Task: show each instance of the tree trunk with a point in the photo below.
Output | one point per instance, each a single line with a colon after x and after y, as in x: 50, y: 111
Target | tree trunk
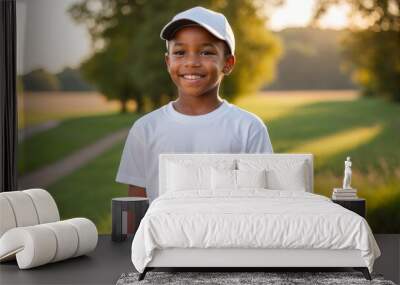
x: 123, y: 106
x: 139, y: 104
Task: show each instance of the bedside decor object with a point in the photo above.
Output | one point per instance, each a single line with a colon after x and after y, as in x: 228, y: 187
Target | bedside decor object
x: 344, y: 194
x: 31, y: 231
x: 347, y: 192
x: 122, y: 207
x: 357, y: 205
x: 347, y: 174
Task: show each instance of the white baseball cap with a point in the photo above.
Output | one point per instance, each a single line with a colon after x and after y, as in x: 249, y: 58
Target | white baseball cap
x: 215, y: 23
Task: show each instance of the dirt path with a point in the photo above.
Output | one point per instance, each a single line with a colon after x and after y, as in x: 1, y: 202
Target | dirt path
x: 49, y: 174
x: 25, y: 133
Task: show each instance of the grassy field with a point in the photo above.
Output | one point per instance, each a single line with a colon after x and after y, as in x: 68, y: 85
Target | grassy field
x: 71, y: 135
x: 88, y: 191
x: 332, y: 125
x: 38, y: 107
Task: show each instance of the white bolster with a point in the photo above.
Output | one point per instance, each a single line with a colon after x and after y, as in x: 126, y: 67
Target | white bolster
x: 40, y: 244
x: 67, y: 240
x: 33, y: 246
x: 23, y: 208
x: 7, y: 218
x: 87, y: 234
x: 45, y: 205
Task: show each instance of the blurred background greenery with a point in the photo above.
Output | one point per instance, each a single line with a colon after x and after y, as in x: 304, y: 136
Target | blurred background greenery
x: 330, y: 92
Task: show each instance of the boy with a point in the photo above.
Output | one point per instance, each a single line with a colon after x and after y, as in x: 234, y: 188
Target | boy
x: 200, y: 52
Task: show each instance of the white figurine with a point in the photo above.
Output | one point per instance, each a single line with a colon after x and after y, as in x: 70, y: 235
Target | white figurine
x: 347, y: 174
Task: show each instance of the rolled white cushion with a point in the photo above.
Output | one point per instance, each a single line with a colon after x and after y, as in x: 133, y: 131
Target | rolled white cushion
x: 40, y: 244
x: 87, y: 235
x: 67, y: 239
x: 23, y: 208
x: 33, y: 245
x: 7, y: 218
x: 45, y: 205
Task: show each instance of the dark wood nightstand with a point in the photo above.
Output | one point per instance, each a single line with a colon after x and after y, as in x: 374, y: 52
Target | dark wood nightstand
x: 122, y: 207
x: 357, y: 205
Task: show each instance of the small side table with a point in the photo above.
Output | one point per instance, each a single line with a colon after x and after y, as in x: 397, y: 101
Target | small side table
x: 120, y: 208
x: 357, y: 205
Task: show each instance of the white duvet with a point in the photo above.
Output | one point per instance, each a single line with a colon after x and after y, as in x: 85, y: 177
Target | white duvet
x: 250, y: 219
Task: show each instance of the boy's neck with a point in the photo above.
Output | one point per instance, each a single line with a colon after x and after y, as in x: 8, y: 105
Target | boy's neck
x: 195, y: 106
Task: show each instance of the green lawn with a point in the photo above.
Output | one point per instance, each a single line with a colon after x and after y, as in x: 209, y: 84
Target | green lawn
x: 368, y: 130
x: 71, y: 135
x: 88, y: 191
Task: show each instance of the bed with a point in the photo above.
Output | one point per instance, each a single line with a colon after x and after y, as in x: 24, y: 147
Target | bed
x: 247, y: 210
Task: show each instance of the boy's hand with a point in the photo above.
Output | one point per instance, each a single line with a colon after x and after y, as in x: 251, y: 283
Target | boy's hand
x: 136, y: 191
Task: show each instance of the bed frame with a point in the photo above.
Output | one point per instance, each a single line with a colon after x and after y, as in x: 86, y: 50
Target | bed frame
x: 242, y: 258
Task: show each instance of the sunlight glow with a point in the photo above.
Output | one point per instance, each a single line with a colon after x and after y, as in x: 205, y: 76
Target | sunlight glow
x: 336, y: 17
x: 282, y: 103
x: 331, y: 145
x: 299, y: 13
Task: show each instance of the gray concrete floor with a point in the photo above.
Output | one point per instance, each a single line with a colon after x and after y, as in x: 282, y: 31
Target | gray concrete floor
x: 110, y: 260
x: 102, y: 266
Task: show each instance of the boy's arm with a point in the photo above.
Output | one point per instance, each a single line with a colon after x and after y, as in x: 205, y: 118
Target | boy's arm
x: 136, y: 191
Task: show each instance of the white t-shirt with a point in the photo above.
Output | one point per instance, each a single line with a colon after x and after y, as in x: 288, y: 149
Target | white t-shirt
x: 227, y: 129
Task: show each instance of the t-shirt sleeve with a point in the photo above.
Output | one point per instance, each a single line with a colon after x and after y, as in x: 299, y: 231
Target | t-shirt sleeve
x: 132, y: 168
x: 259, y: 141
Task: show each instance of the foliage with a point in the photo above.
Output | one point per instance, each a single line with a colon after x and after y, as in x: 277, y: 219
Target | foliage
x: 311, y: 60
x: 20, y: 84
x: 128, y: 61
x: 71, y: 80
x: 40, y: 80
x: 257, y: 49
x: 375, y: 62
x: 372, y: 47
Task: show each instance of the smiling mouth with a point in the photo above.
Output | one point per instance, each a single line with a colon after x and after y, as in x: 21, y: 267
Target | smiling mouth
x: 192, y: 76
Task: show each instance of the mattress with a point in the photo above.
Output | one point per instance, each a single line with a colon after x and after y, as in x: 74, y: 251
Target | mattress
x: 250, y: 218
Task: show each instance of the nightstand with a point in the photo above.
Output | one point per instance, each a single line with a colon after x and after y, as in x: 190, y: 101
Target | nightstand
x: 120, y: 209
x: 357, y: 205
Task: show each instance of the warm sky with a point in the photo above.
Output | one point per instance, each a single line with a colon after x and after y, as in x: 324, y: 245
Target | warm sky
x: 54, y: 41
x: 297, y: 13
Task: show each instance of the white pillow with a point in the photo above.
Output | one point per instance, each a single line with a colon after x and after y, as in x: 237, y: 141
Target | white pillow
x: 251, y: 178
x: 193, y: 174
x: 223, y: 179
x: 282, y: 174
x: 181, y: 177
x: 227, y: 179
x: 290, y: 179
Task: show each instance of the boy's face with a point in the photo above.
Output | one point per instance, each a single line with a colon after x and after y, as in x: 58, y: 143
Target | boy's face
x: 197, y: 61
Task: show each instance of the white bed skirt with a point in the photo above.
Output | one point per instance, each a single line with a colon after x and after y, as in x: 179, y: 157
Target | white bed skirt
x: 235, y: 257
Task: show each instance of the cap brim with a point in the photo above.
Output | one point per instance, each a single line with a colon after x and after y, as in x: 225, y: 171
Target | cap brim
x: 172, y: 27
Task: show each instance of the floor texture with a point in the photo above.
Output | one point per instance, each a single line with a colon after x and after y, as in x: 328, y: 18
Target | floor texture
x: 110, y: 260
x: 251, y: 278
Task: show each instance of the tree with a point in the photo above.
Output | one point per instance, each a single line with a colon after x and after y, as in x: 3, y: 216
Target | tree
x: 257, y: 49
x: 40, y: 80
x: 112, y: 26
x: 372, y: 48
x: 311, y: 60
x: 128, y: 61
x: 20, y: 85
x: 71, y: 80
